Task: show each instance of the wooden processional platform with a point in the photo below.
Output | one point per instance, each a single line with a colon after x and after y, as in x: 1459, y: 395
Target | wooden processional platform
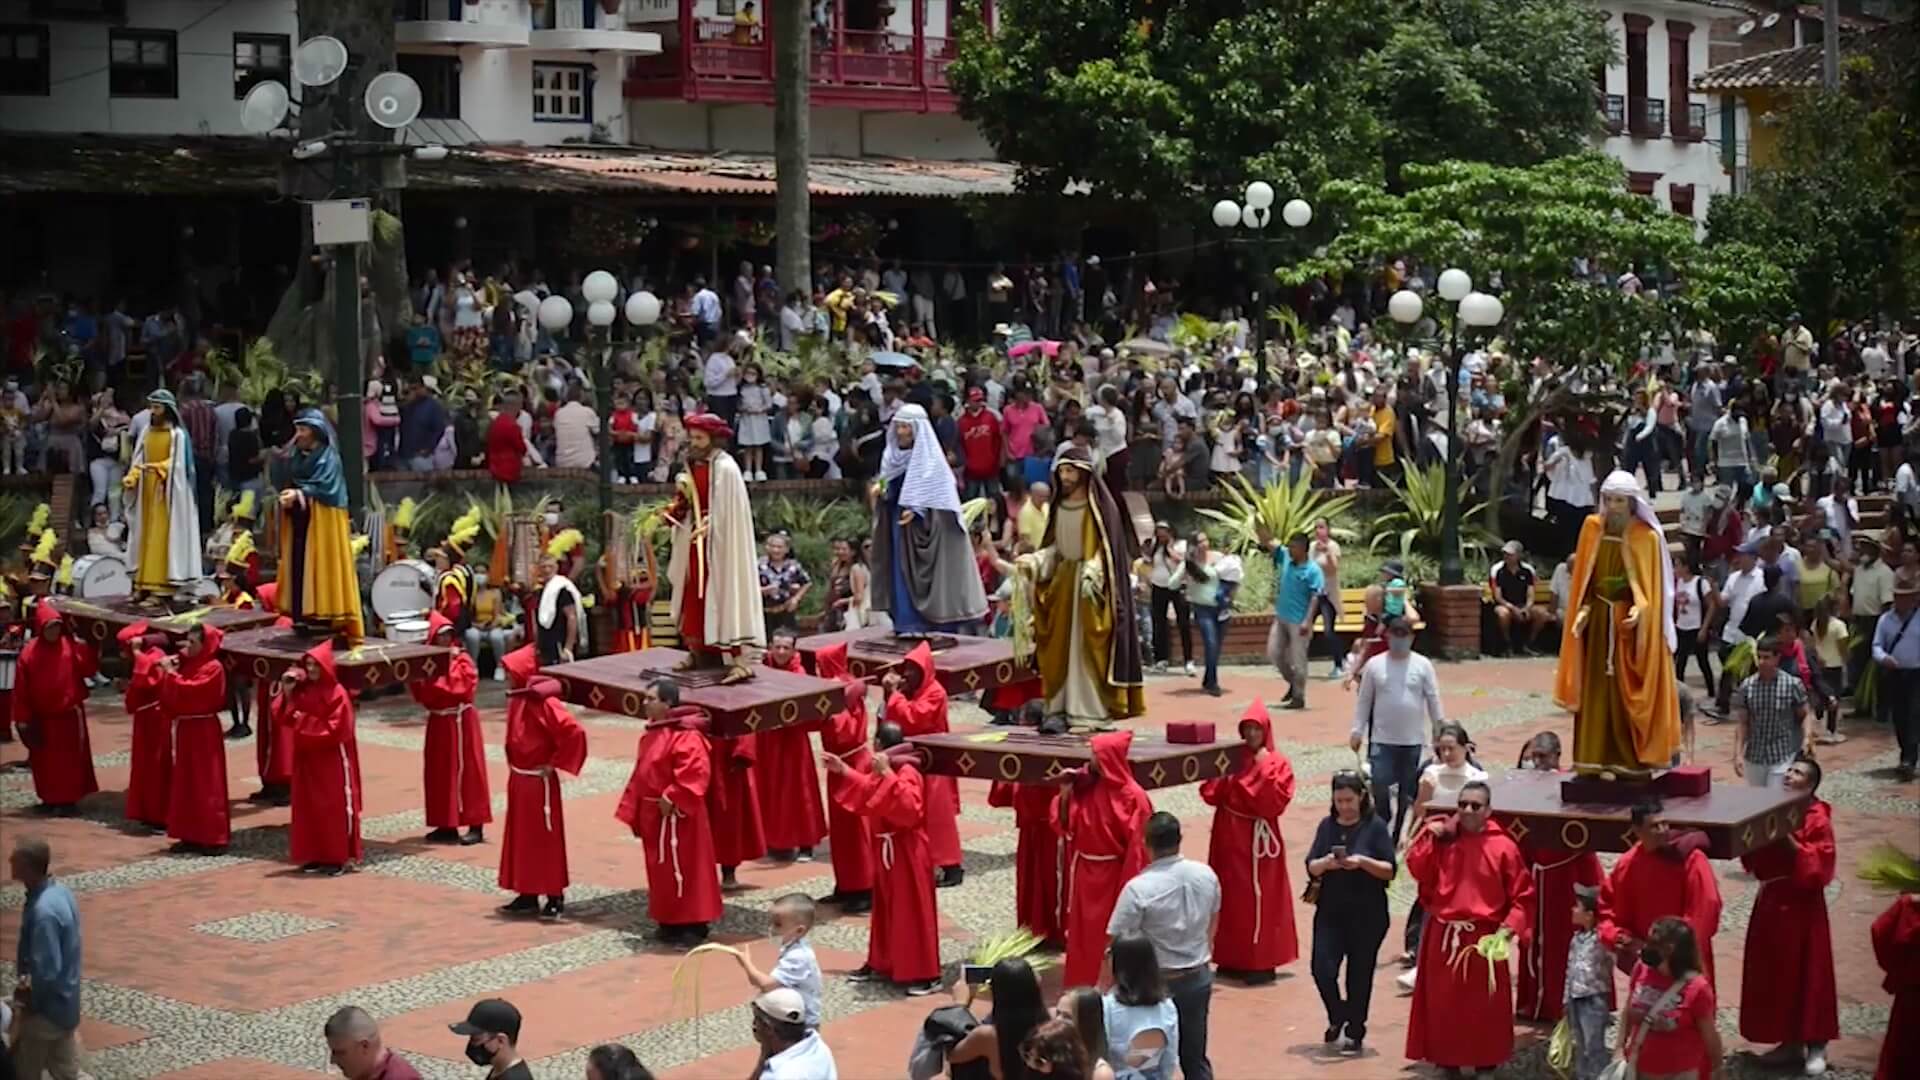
x: 98, y: 621
x: 265, y: 654
x: 963, y: 664
x: 770, y: 700
x: 1024, y: 757
x: 1736, y: 818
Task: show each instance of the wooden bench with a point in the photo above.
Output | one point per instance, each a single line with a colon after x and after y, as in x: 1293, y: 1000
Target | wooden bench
x: 1352, y: 618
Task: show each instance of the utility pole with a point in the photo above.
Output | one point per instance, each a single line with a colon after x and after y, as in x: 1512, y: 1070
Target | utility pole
x: 791, y: 24
x: 1830, y: 45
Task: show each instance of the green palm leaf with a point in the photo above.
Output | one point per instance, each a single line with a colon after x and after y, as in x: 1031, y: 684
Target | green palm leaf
x: 1280, y: 510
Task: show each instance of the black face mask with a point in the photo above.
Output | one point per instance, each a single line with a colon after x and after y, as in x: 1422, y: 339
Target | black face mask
x: 1650, y: 956
x: 478, y: 1053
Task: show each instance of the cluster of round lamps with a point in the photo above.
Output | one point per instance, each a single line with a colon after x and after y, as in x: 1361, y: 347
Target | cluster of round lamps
x: 599, y: 289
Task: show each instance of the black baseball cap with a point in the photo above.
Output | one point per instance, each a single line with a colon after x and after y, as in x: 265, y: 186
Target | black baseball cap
x: 492, y: 1016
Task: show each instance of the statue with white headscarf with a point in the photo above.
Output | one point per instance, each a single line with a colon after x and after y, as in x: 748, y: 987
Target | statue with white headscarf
x: 924, y: 575
x: 1616, y: 654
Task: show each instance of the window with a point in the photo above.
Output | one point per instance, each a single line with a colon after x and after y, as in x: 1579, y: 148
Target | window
x: 1680, y: 77
x: 1681, y: 196
x: 1641, y: 183
x: 258, y: 58
x: 439, y: 79
x: 143, y: 63
x: 563, y: 92
x: 23, y: 60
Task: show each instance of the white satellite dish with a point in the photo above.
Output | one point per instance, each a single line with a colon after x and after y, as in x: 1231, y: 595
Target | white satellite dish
x: 1747, y: 27
x: 264, y: 109
x: 393, y: 99
x: 319, y: 60
x: 1770, y: 21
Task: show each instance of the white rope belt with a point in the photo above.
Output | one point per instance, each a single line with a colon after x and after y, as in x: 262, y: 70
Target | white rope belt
x: 546, y: 790
x: 670, y: 840
x: 1613, y: 639
x: 1266, y: 845
x: 1451, y: 944
x: 346, y: 784
x: 1073, y: 871
x: 886, y: 849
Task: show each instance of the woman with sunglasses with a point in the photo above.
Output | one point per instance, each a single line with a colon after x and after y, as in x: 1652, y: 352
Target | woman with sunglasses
x: 1350, y: 863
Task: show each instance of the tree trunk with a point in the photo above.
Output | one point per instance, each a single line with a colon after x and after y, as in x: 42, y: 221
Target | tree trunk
x: 793, y: 244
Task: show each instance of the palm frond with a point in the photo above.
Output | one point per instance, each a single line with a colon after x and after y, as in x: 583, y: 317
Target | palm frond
x: 1887, y: 867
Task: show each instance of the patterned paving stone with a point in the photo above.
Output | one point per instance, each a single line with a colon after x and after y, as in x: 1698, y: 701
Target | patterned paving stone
x: 263, y: 926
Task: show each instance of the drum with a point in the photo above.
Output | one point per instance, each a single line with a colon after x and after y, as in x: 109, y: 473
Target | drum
x: 403, y: 590
x: 9, y: 658
x: 99, y: 576
x: 413, y: 631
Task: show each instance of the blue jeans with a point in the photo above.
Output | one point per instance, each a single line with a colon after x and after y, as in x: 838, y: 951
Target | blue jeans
x: 1394, y: 766
x: 1192, y: 997
x: 1208, y: 619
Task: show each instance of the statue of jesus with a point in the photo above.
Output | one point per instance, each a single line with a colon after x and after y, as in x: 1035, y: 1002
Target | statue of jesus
x: 1616, y: 650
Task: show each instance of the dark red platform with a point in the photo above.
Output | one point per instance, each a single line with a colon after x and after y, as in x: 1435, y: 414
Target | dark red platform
x: 770, y: 700
x: 1736, y: 818
x: 265, y: 654
x: 1024, y: 757
x: 98, y: 621
x: 964, y: 666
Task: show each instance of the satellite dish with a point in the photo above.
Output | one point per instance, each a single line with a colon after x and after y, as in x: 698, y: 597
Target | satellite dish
x: 393, y: 99
x: 264, y: 109
x: 1770, y: 21
x: 319, y: 60
x: 1747, y: 27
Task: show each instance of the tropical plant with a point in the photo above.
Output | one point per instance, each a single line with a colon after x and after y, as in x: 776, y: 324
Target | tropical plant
x: 1418, y: 524
x: 1279, y: 511
x: 15, y: 511
x: 1195, y: 333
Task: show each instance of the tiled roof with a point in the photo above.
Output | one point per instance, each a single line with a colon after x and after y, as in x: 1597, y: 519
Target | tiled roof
x: 1793, y: 69
x: 110, y: 164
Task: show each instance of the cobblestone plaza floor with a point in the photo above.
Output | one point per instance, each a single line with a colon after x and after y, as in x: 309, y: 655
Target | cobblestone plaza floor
x: 226, y: 967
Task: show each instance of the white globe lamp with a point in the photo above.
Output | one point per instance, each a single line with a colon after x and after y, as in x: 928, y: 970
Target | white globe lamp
x: 1296, y: 213
x: 1476, y: 309
x: 556, y: 313
x: 1260, y: 195
x: 1226, y: 213
x: 600, y: 287
x: 1253, y: 217
x: 601, y: 313
x: 1405, y: 307
x: 643, y: 308
x: 1455, y: 284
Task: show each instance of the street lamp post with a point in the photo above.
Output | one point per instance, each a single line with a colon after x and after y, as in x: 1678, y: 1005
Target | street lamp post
x: 643, y: 309
x: 1253, y: 216
x: 1476, y: 310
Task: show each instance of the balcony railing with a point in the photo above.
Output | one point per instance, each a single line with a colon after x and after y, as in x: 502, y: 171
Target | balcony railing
x: 1696, y: 121
x: 729, y: 53
x: 1616, y: 112
x: 1646, y: 117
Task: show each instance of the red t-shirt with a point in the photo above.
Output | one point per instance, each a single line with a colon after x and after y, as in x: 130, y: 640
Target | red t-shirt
x: 1672, y: 1042
x: 980, y: 442
x: 623, y: 420
x: 506, y: 449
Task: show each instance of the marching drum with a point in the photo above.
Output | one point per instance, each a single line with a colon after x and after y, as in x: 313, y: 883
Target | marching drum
x: 8, y: 659
x: 404, y: 590
x: 98, y: 576
x: 412, y: 631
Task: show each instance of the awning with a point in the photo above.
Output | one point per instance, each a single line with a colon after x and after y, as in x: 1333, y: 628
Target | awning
x: 131, y: 165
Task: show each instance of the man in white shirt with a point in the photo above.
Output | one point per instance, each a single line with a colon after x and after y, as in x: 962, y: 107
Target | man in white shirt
x: 1570, y: 490
x: 721, y: 375
x: 706, y: 314
x: 1175, y: 904
x: 574, y: 426
x: 1836, y: 421
x: 1109, y: 430
x: 789, y: 1049
x: 1874, y: 359
x: 793, y: 322
x: 1398, y: 713
x: 1842, y: 512
x: 1744, y: 582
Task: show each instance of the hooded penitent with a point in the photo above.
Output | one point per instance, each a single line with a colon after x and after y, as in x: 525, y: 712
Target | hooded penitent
x: 543, y: 739
x: 1256, y: 930
x: 151, y: 768
x: 191, y: 698
x: 318, y: 713
x: 51, y: 691
x: 455, y: 780
x: 1107, y: 813
x: 919, y: 707
x: 847, y: 736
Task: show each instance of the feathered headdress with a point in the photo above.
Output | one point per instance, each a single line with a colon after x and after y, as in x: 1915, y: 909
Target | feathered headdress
x: 403, y: 514
x: 465, y: 529
x: 243, y: 507
x: 564, y: 542
x: 242, y: 548
x: 359, y: 545
x: 43, y: 551
x: 38, y: 523
x: 64, y: 576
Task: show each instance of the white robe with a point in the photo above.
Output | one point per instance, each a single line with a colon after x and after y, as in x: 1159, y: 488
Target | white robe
x: 183, y: 513
x: 733, y: 613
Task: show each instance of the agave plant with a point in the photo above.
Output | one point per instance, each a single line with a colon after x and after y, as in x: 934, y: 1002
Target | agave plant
x: 1281, y: 510
x: 1419, y: 522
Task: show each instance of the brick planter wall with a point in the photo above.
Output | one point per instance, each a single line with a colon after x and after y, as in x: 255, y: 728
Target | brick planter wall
x: 1453, y: 620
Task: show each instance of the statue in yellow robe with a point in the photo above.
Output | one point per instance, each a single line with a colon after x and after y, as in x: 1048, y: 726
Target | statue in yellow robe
x: 1616, y: 649
x: 1085, y: 640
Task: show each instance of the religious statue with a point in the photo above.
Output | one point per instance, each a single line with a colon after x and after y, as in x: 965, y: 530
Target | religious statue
x: 1083, y: 627
x: 318, y: 586
x: 923, y: 564
x: 164, y: 541
x: 713, y: 566
x: 1616, y: 651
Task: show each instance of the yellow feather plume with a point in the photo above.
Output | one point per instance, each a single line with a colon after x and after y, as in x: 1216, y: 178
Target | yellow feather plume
x: 564, y: 542
x: 43, y: 551
x: 64, y: 576
x: 243, y: 507
x: 466, y: 528
x: 359, y: 545
x: 403, y: 514
x: 243, y: 547
x: 38, y: 523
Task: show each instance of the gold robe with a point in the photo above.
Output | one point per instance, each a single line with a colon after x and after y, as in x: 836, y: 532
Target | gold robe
x: 1618, y: 681
x: 1072, y: 631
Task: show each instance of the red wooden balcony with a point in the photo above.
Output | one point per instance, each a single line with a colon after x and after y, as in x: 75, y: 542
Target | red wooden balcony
x: 718, y: 59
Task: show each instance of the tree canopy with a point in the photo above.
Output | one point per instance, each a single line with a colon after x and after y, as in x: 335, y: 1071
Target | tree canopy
x: 1153, y: 99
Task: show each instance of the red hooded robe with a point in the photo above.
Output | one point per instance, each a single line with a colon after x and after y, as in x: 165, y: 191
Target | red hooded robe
x: 543, y: 739
x: 1102, y: 818
x: 190, y: 702
x: 1541, y: 983
x: 1471, y: 884
x: 457, y: 794
x: 1787, y: 988
x: 152, y: 748
x: 272, y: 747
x: 1256, y: 894
x: 791, y: 815
x: 51, y: 691
x: 847, y: 737
x: 903, y: 942
x: 1038, y: 863
x: 733, y: 801
x: 1644, y: 886
x: 316, y: 716
x: 925, y: 713
x: 675, y: 761
x: 1896, y: 945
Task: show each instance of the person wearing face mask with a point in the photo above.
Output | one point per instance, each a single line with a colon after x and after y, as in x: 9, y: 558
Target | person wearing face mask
x: 795, y: 966
x: 495, y: 618
x: 492, y: 1028
x: 1664, y: 873
x: 1787, y: 990
x: 1667, y: 1030
x: 1557, y: 873
x: 1397, y: 711
x: 1473, y: 874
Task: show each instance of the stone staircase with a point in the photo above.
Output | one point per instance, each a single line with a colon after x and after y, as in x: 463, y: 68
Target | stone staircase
x: 1876, y: 512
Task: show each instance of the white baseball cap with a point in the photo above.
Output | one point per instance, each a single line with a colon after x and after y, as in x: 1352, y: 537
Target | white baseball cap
x: 782, y: 1003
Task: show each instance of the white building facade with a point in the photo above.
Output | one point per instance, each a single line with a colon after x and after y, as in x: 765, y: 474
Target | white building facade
x: 1664, y: 132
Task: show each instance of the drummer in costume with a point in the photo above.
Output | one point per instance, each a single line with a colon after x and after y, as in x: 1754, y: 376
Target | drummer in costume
x: 456, y: 753
x: 632, y: 600
x: 453, y: 591
x: 316, y: 546
x: 560, y: 616
x: 232, y: 575
x: 164, y: 536
x: 239, y: 520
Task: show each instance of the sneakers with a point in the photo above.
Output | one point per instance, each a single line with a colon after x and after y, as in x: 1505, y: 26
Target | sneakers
x: 1349, y: 1046
x: 1406, y: 979
x: 1834, y: 739
x: 1816, y: 1061
x: 759, y: 476
x: 862, y: 974
x: 923, y: 989
x: 1159, y: 667
x: 1189, y: 670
